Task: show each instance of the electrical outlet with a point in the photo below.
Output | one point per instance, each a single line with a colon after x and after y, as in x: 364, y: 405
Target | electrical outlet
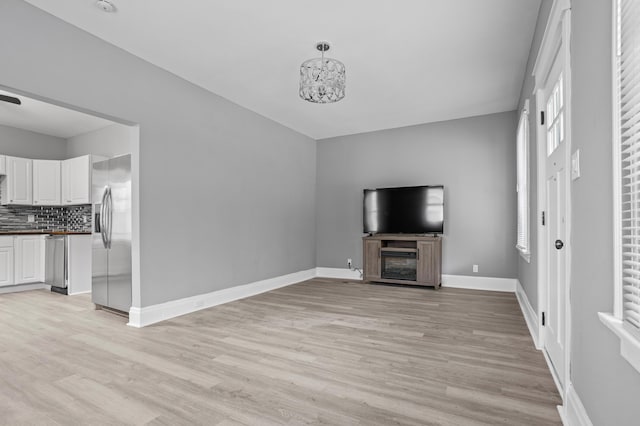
x: 475, y: 268
x: 349, y: 263
x: 31, y: 218
x: 85, y: 219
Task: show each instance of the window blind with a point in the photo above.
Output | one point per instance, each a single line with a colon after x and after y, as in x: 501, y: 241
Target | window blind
x: 522, y: 166
x: 629, y: 89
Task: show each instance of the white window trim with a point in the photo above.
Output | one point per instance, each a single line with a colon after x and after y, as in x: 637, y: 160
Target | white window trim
x: 629, y: 342
x: 524, y: 251
x: 526, y: 255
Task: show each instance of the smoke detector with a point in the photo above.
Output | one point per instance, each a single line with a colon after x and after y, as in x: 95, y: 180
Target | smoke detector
x: 105, y: 6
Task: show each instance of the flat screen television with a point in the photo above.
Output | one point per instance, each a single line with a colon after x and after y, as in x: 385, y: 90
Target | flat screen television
x: 404, y: 210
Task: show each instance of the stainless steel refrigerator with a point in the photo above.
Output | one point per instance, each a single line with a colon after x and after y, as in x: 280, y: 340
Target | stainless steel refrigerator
x: 111, y: 261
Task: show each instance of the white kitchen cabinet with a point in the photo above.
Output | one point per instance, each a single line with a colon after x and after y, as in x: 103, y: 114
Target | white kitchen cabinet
x: 46, y: 183
x: 17, y: 185
x: 3, y: 164
x: 29, y: 259
x: 6, y: 261
x: 76, y: 180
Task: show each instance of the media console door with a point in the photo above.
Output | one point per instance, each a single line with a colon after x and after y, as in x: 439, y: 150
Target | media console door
x: 429, y: 255
x: 403, y: 259
x: 371, y: 256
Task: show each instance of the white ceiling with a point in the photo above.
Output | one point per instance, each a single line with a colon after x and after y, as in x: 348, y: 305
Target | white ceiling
x: 408, y: 61
x: 42, y: 117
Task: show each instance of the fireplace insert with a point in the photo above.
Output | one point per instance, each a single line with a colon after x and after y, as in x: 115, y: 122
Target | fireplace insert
x: 399, y: 265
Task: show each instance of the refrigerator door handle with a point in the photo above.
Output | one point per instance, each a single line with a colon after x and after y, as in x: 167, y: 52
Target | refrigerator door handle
x: 103, y: 208
x: 66, y: 261
x: 110, y: 216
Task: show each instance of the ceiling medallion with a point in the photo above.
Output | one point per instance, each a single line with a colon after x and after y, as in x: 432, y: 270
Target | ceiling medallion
x: 322, y: 80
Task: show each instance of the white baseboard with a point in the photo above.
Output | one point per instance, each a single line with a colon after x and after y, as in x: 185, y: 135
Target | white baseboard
x: 531, y: 318
x: 140, y: 317
x: 453, y: 281
x: 24, y: 287
x: 575, y: 413
x: 530, y: 315
x: 340, y: 273
x: 479, y: 283
x: 556, y: 380
x: 80, y: 292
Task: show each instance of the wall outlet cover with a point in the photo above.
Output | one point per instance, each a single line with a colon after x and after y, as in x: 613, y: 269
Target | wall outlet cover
x: 31, y: 218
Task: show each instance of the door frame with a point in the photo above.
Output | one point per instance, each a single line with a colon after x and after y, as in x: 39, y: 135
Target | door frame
x: 556, y: 39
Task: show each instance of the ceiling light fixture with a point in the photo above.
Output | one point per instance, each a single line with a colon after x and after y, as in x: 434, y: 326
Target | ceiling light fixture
x: 322, y: 80
x: 105, y: 6
x: 10, y: 99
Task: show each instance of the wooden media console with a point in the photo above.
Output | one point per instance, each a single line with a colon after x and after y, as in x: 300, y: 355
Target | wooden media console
x: 402, y: 259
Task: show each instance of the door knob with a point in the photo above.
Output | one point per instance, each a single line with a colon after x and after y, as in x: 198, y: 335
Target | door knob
x: 559, y: 244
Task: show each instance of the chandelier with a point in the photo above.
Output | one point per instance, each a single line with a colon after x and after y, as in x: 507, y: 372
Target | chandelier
x: 322, y: 80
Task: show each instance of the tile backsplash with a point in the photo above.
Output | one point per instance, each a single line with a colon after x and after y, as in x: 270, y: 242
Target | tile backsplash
x: 47, y: 218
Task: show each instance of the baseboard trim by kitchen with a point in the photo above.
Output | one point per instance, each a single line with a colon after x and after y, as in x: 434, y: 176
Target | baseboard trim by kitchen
x: 24, y: 287
x: 479, y: 283
x: 141, y: 317
x: 339, y: 273
x: 575, y: 413
x: 80, y: 292
x: 530, y: 316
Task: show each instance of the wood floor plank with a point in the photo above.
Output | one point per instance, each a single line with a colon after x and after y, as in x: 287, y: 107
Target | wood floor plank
x: 319, y: 352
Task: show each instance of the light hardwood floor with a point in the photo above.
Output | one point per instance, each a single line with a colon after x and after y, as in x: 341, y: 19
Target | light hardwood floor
x: 318, y: 352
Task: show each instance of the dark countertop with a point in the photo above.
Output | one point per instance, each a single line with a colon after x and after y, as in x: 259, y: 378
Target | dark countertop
x: 38, y: 232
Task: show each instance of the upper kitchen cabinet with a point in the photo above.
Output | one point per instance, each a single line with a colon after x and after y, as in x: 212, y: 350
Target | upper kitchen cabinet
x: 3, y: 164
x: 17, y: 185
x: 76, y: 180
x: 46, y: 183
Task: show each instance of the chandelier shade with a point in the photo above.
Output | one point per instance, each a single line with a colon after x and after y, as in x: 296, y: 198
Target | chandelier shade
x: 322, y: 80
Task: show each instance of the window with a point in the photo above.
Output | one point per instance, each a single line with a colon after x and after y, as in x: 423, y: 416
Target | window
x: 628, y: 138
x: 625, y: 321
x: 522, y: 166
x: 555, y: 121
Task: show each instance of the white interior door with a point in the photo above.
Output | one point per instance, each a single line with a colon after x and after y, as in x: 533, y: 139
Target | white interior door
x: 554, y: 93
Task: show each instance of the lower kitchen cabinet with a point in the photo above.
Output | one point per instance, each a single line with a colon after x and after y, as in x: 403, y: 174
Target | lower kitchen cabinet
x: 29, y: 259
x: 6, y: 261
x: 22, y: 261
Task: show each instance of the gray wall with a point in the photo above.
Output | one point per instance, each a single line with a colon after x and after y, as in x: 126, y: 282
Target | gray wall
x: 227, y: 197
x: 24, y: 143
x: 107, y: 142
x: 528, y: 272
x: 474, y: 158
x: 606, y: 383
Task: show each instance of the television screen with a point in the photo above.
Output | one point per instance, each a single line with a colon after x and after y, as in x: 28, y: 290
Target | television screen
x: 405, y: 210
